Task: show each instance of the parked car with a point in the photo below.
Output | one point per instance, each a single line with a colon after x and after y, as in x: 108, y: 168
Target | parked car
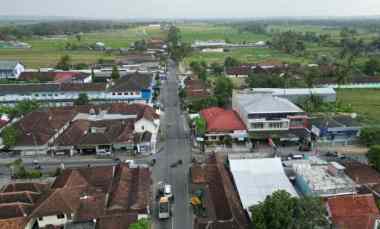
x: 104, y: 153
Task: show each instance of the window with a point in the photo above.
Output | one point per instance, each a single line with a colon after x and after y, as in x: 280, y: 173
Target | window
x: 142, y: 127
x: 275, y: 125
x: 36, y: 95
x: 40, y: 218
x: 113, y: 93
x: 119, y: 93
x: 257, y: 125
x: 60, y: 216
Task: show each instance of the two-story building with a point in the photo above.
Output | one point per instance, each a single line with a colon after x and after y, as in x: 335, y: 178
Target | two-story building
x: 10, y: 69
x: 268, y: 116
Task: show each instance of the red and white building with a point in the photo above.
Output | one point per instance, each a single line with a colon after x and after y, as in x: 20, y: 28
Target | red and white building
x: 222, y: 123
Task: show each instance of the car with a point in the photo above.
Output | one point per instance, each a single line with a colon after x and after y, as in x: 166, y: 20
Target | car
x: 163, y: 208
x: 164, y: 190
x: 130, y: 162
x: 37, y: 165
x: 104, y: 152
x: 168, y: 192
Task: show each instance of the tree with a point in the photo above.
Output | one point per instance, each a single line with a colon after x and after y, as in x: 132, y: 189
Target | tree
x: 78, y: 37
x: 342, y: 74
x: 281, y: 210
x: 230, y: 62
x: 64, y: 63
x: 200, y: 125
x: 217, y: 69
x: 223, y: 90
x: 374, y: 156
x: 141, y: 224
x: 370, y: 136
x: 140, y: 45
x: 82, y: 99
x: 288, y: 42
x: 372, y: 67
x: 24, y: 107
x: 115, y: 75
x: 311, y: 76
x: 9, y: 136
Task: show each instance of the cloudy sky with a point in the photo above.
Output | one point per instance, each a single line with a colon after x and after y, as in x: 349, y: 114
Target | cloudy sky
x: 189, y: 8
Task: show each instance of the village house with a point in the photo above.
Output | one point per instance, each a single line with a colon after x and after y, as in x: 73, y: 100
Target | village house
x: 353, y: 211
x: 17, y: 200
x: 340, y: 129
x: 108, y: 196
x: 222, y: 205
x: 223, y: 124
x: 257, y: 178
x: 267, y: 116
x: 88, y: 129
x: 195, y: 89
x: 135, y: 87
x: 316, y: 177
x: 242, y: 71
x: 10, y: 70
x: 56, y: 77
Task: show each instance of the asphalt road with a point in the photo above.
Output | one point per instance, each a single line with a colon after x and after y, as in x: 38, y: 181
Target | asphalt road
x: 176, y: 147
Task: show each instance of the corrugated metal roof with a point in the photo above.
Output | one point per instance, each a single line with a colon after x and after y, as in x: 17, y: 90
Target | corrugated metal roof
x: 266, y: 103
x: 296, y: 91
x: 8, y: 64
x: 255, y: 179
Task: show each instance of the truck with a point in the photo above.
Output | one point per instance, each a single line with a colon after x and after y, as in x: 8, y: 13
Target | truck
x: 164, y: 208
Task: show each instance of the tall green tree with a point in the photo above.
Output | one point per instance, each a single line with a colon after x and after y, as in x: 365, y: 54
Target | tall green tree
x: 64, y: 63
x: 370, y: 136
x: 230, y: 62
x: 372, y: 67
x: 115, y: 75
x: 217, y: 69
x: 9, y: 136
x: 374, y: 156
x: 281, y: 210
x: 82, y: 99
x: 223, y: 90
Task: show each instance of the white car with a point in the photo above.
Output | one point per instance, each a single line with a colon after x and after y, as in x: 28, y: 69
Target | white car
x: 104, y: 152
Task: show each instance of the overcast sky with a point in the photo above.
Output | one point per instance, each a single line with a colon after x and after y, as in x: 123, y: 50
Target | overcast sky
x: 189, y: 8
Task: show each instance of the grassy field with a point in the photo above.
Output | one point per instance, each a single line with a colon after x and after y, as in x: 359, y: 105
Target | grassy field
x: 46, y: 52
x: 365, y: 102
x: 193, y: 32
x: 206, y: 32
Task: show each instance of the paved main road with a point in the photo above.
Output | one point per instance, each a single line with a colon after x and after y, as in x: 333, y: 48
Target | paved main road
x: 176, y: 147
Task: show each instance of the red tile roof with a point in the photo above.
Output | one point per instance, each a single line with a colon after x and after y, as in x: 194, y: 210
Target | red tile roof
x: 37, y: 127
x: 245, y: 69
x: 25, y: 186
x: 353, y: 212
x: 14, y: 223
x: 220, y: 121
x: 362, y: 174
x: 49, y: 76
x: 223, y: 201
